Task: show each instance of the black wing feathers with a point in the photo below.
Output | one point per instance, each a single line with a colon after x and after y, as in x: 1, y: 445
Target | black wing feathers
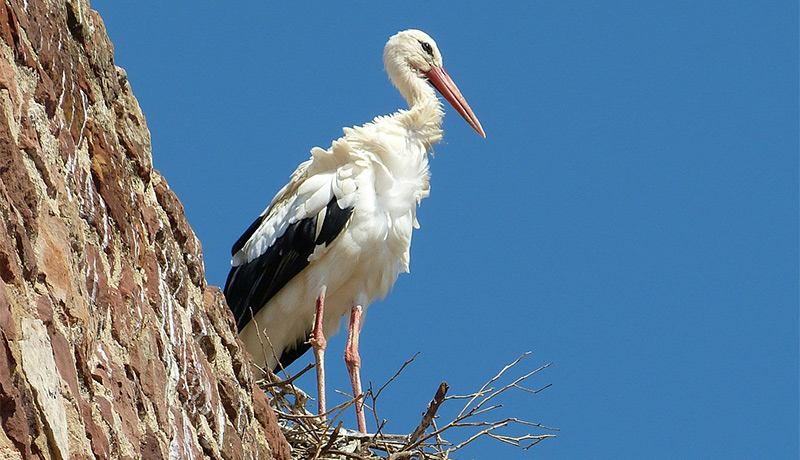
x: 239, y: 244
x: 335, y: 219
x: 251, y: 285
x: 290, y: 354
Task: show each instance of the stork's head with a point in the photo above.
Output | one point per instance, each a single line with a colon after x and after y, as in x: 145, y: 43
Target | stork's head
x: 412, y: 50
x: 411, y: 58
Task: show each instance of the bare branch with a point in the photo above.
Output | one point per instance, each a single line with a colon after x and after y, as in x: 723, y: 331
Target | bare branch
x: 410, y: 360
x: 512, y: 384
x: 533, y: 391
x: 492, y: 380
x: 331, y: 439
x: 290, y: 379
x: 433, y: 407
x: 477, y: 435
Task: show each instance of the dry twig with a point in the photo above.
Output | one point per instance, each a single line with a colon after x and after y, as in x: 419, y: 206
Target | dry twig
x: 430, y: 413
x: 312, y: 438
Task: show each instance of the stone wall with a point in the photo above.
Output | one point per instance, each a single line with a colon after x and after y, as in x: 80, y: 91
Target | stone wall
x: 111, y: 343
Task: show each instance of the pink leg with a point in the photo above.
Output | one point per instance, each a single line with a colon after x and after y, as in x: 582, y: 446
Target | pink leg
x: 353, y: 361
x: 319, y: 344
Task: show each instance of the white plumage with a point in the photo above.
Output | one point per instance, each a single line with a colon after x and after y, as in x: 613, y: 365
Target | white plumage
x: 342, y: 225
x: 362, y: 263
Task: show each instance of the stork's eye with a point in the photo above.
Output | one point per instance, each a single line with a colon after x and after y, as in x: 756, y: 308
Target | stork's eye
x: 427, y: 48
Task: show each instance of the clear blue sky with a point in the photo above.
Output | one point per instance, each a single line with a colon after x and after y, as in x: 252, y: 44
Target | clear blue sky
x: 632, y: 215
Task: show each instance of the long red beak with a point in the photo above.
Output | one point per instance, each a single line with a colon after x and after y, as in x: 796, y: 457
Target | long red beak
x: 447, y: 87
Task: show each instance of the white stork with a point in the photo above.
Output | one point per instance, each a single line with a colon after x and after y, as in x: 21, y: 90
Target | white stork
x: 337, y: 235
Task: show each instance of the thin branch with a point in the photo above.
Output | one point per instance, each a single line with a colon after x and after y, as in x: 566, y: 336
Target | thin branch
x: 396, y: 374
x: 477, y: 435
x: 512, y: 384
x: 334, y: 436
x: 289, y: 380
x: 533, y: 391
x: 492, y: 380
x: 433, y: 407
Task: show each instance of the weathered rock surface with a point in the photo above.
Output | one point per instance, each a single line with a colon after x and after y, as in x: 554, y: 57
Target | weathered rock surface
x: 111, y: 344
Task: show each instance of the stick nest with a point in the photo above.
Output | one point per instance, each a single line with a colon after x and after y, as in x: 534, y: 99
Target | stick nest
x: 311, y: 437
